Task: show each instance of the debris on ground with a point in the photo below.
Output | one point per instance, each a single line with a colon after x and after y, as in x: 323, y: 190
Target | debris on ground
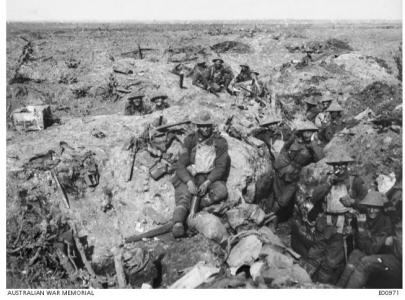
x: 198, y: 275
x: 32, y: 118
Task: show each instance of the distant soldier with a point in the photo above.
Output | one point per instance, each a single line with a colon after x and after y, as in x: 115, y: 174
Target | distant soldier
x: 311, y: 110
x: 335, y: 123
x: 135, y: 105
x: 323, y: 117
x: 218, y: 76
x: 159, y: 101
x: 244, y: 74
x: 198, y: 75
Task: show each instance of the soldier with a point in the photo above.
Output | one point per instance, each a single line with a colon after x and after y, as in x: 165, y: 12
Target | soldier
x: 244, y: 74
x: 272, y: 134
x: 202, y: 169
x: 135, y: 105
x: 198, y: 75
x: 160, y: 101
x: 311, y: 110
x: 323, y: 117
x: 373, y: 239
x: 218, y: 76
x: 296, y: 153
x: 335, y: 124
x: 332, y: 220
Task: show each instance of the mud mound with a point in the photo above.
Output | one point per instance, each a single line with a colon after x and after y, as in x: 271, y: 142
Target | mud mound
x: 186, y: 53
x: 231, y: 46
x: 329, y: 46
x: 379, y: 96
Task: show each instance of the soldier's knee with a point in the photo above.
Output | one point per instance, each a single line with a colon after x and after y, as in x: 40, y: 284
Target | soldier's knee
x: 218, y: 191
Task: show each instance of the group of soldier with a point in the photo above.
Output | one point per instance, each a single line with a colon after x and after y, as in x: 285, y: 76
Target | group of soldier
x: 346, y: 234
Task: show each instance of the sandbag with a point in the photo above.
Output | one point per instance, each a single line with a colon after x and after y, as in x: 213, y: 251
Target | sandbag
x: 199, y: 274
x: 243, y: 213
x: 244, y: 253
x: 209, y: 225
x: 275, y: 259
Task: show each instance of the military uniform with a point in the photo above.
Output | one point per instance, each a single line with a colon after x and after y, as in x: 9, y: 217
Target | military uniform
x: 218, y: 77
x: 244, y: 74
x: 209, y: 160
x: 333, y: 125
x: 270, y: 135
x: 312, y: 111
x: 325, y: 247
x: 136, y: 110
x: 287, y: 167
x: 372, y: 258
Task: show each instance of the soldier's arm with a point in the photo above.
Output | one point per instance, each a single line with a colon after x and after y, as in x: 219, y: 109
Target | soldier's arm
x: 184, y: 161
x: 221, y: 161
x: 318, y: 197
x: 372, y: 244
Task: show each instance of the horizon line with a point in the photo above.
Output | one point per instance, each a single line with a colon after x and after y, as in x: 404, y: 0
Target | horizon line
x: 197, y: 20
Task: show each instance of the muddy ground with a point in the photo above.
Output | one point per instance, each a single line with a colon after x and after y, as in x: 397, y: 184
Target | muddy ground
x: 80, y: 70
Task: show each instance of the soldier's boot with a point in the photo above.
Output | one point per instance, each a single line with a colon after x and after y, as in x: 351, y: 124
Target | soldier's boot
x: 344, y: 278
x: 179, y: 216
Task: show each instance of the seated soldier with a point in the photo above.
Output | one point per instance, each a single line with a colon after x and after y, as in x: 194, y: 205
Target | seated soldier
x: 311, y: 110
x: 323, y: 117
x: 135, y: 105
x: 160, y: 101
x: 335, y: 124
x: 202, y: 170
x: 373, y: 256
x: 198, y: 75
x: 218, y: 77
x: 332, y: 221
x: 244, y: 74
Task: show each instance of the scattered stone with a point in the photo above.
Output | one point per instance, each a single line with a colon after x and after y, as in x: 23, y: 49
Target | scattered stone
x: 245, y: 252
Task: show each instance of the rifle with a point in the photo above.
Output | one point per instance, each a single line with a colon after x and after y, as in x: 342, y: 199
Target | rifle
x: 253, y: 95
x: 163, y: 127
x: 134, y: 148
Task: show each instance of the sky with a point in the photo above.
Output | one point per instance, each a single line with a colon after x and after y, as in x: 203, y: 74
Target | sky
x: 172, y: 10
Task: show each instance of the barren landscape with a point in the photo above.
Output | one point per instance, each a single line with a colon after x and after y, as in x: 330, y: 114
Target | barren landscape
x: 84, y: 72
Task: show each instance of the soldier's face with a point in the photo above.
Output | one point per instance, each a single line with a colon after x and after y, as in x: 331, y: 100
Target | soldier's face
x: 306, y: 136
x: 159, y: 102
x: 205, y: 130
x: 373, y: 212
x: 340, y: 171
x: 137, y: 102
x: 325, y: 105
x: 335, y: 114
x: 217, y: 64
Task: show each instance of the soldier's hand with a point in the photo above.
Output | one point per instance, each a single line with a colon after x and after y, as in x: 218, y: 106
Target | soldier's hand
x: 192, y: 187
x: 346, y: 201
x: 202, y: 190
